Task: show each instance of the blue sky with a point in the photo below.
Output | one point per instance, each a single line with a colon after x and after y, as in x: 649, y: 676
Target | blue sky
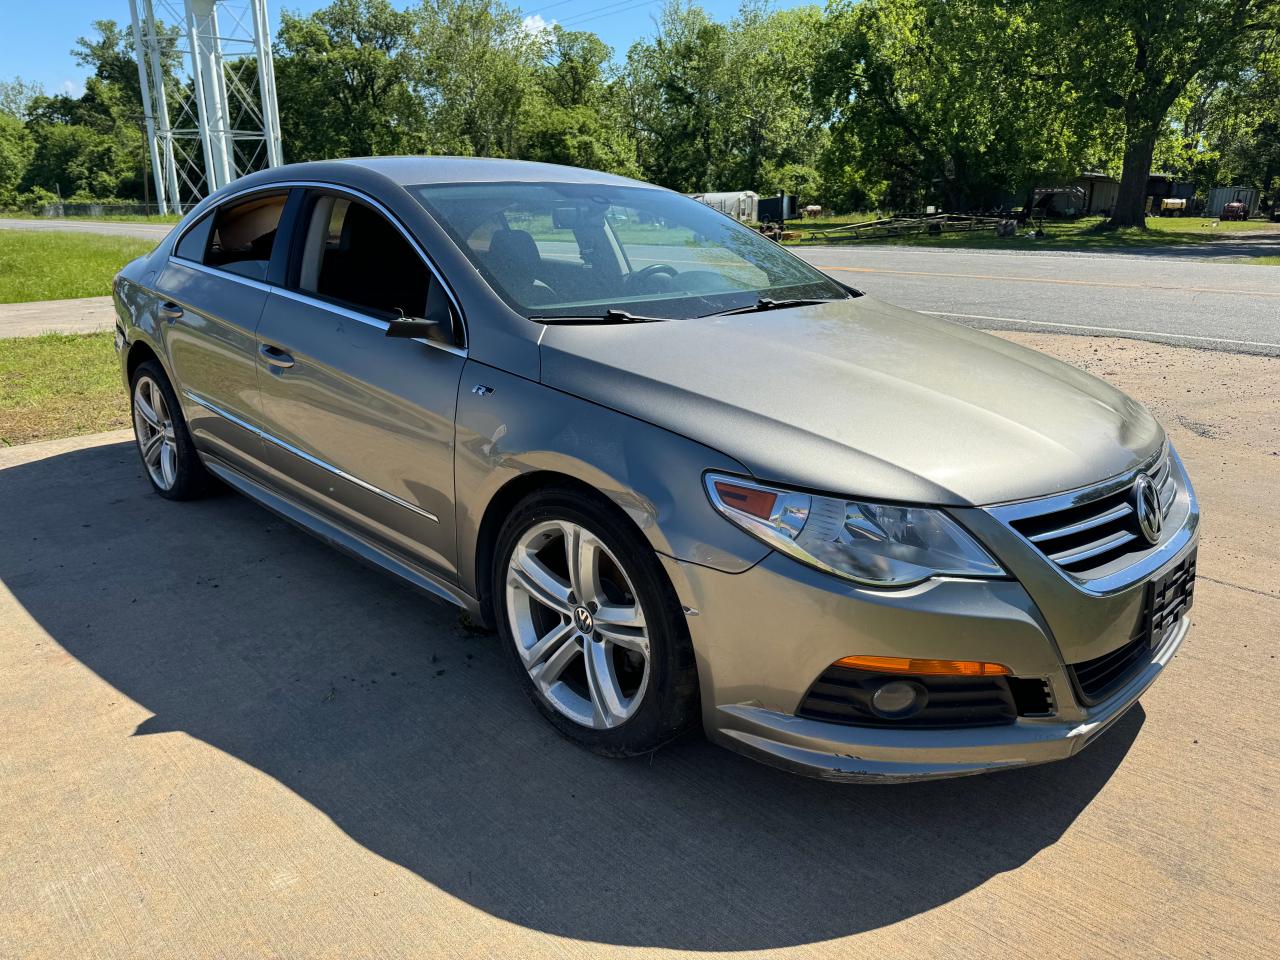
x: 37, y: 37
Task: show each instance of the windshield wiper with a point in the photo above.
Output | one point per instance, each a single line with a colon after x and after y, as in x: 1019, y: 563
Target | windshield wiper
x: 765, y: 303
x: 609, y: 316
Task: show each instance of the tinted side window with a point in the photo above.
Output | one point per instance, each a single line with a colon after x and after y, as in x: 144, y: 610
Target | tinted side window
x: 195, y: 241
x: 243, y: 235
x: 352, y: 254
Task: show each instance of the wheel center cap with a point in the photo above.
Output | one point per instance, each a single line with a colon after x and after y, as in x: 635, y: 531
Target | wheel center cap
x: 583, y: 620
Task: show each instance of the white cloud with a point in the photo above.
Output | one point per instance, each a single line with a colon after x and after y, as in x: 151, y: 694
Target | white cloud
x: 535, y: 24
x: 72, y: 88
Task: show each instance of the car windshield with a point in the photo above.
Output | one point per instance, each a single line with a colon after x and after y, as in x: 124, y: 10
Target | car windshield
x: 563, y: 251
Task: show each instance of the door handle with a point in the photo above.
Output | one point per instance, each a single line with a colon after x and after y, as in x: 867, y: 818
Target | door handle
x: 275, y: 356
x: 170, y: 311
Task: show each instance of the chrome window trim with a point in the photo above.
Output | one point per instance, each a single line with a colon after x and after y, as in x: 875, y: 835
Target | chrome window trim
x: 363, y: 198
x: 359, y: 317
x: 310, y: 301
x: 303, y: 455
x: 221, y: 274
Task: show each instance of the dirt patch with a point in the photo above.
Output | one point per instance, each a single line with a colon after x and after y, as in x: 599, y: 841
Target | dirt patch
x: 1206, y: 430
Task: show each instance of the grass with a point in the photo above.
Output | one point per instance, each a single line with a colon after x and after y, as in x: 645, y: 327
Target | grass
x: 1079, y: 235
x: 61, y: 266
x: 115, y: 217
x: 59, y: 385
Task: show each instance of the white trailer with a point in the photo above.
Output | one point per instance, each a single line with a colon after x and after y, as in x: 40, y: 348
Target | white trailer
x: 739, y: 204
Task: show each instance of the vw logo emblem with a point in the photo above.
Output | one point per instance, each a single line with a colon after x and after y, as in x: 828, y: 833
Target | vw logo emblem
x: 583, y: 620
x: 1146, y: 497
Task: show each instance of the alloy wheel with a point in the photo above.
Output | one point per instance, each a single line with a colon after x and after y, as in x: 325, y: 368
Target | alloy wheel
x: 153, y: 426
x: 578, y: 625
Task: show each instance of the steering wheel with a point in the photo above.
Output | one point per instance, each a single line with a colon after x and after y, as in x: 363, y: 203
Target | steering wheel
x: 653, y: 270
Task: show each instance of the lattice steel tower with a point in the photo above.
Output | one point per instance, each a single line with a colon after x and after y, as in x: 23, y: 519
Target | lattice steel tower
x: 219, y: 121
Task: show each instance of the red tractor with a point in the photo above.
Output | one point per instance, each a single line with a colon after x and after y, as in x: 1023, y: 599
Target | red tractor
x: 1235, y: 210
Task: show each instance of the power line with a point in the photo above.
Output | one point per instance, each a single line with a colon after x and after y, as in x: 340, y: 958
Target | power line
x: 550, y: 6
x: 606, y: 11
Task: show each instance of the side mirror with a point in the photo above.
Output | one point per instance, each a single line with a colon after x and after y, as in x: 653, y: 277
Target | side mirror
x: 438, y: 326
x: 415, y: 327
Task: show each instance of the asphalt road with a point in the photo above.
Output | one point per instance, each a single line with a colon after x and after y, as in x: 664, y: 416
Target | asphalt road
x: 1174, y: 300
x: 118, y: 228
x: 1172, y: 296
x: 219, y: 738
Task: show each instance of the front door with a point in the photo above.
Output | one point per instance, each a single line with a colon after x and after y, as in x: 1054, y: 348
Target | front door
x: 361, y: 426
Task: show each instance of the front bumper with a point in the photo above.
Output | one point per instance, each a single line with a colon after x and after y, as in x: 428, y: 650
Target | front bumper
x: 763, y: 636
x: 867, y: 754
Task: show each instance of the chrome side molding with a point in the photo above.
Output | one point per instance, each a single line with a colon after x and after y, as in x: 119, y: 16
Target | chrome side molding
x: 303, y: 455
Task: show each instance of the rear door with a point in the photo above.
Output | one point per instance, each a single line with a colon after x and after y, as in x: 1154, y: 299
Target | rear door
x: 362, y: 424
x: 216, y: 282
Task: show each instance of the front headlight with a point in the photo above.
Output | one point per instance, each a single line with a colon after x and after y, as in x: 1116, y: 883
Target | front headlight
x: 870, y: 543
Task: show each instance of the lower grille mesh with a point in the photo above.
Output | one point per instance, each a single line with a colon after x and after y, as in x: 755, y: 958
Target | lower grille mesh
x: 843, y: 695
x: 1164, y: 604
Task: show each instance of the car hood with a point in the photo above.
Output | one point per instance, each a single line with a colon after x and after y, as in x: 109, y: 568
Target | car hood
x: 862, y: 398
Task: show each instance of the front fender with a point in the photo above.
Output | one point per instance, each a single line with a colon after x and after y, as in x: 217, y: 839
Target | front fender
x: 518, y: 427
x: 136, y: 307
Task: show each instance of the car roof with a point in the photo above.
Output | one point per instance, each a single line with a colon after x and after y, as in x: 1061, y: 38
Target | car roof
x: 416, y: 170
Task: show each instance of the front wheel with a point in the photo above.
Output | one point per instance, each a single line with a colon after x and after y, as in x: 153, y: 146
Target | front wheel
x: 592, y: 624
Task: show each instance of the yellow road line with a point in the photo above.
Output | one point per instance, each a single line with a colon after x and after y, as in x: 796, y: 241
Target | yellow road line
x: 1077, y: 283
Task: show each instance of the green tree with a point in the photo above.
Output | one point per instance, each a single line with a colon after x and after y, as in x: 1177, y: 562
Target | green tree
x: 478, y: 73
x: 81, y: 163
x: 946, y: 101
x: 345, y: 82
x: 771, y: 121
x: 91, y: 146
x: 676, y: 94
x: 1137, y: 58
x: 801, y: 181
x: 1241, y: 126
x: 109, y: 57
x: 16, y: 96
x: 575, y: 118
x: 16, y: 150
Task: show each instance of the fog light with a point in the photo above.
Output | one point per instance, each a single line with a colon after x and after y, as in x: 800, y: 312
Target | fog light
x: 899, y: 698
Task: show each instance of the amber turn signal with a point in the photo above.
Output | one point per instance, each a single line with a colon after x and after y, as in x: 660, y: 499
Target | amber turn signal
x: 758, y: 503
x: 925, y: 668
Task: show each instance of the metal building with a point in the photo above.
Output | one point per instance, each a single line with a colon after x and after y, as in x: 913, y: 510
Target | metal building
x: 220, y: 120
x: 1219, y: 197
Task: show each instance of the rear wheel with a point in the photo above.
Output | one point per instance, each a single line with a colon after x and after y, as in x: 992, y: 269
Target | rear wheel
x: 594, y: 629
x: 168, y: 455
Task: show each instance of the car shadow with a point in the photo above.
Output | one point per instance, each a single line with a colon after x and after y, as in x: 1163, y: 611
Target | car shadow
x: 383, y: 711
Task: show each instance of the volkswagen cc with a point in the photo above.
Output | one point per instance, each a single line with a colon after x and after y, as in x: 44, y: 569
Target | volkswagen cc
x: 689, y: 479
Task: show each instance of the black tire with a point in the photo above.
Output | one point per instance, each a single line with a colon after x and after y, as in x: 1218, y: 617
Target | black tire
x: 191, y: 479
x: 669, y: 704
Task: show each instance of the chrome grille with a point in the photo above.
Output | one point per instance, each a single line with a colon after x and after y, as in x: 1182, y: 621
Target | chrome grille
x: 1097, y: 528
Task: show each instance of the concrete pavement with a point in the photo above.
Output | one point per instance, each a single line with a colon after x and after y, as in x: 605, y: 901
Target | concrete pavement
x: 219, y: 738
x: 84, y: 315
